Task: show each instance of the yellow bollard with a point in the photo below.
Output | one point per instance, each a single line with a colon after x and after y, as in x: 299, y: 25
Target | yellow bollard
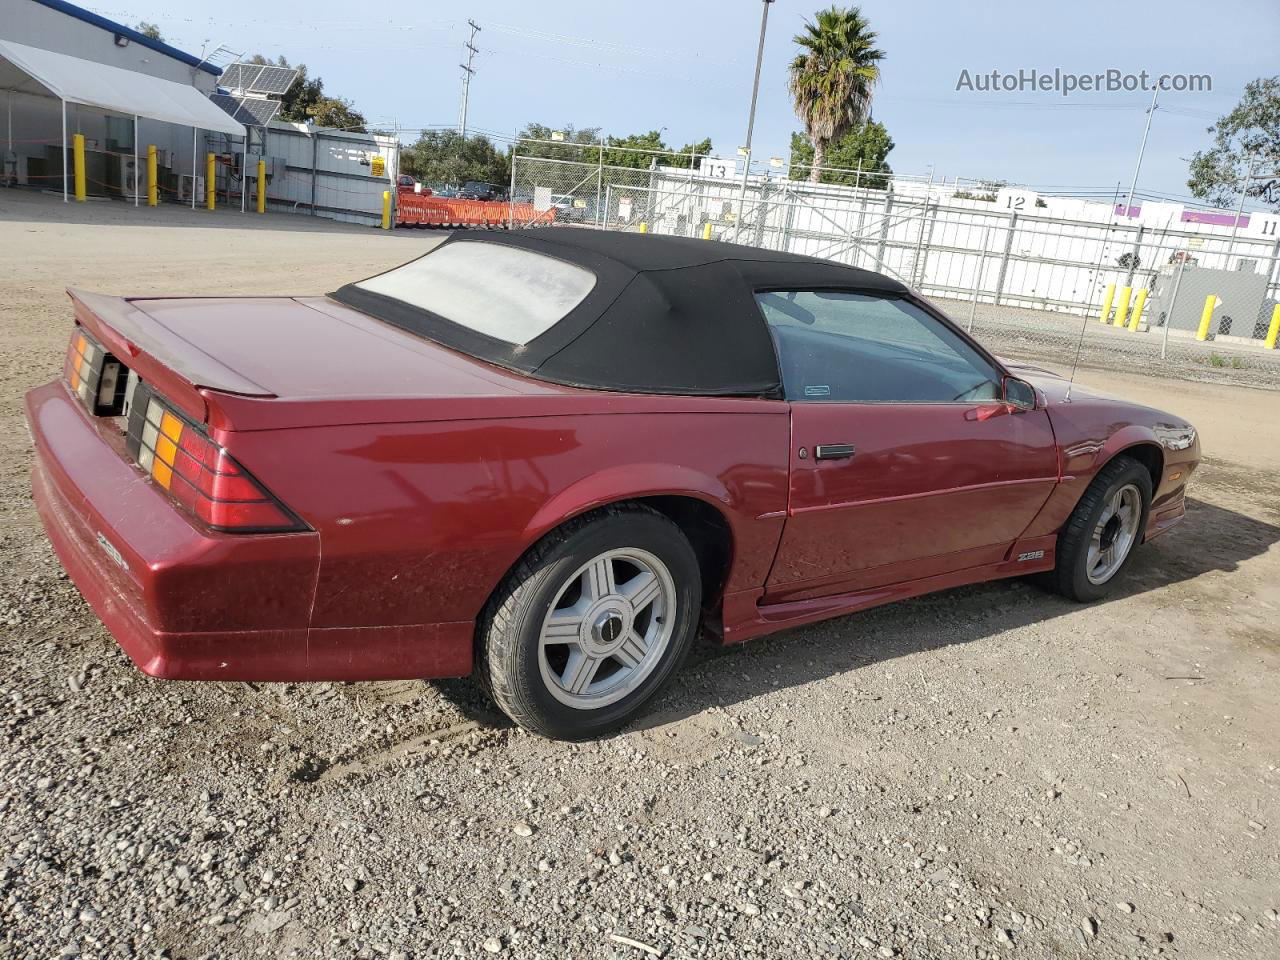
x: 1105, y: 315
x: 1274, y: 330
x: 77, y: 160
x: 262, y: 185
x: 1138, y: 306
x: 706, y: 230
x: 1206, y: 315
x: 153, y: 182
x: 386, y: 209
x: 210, y: 192
x: 1122, y: 308
x: 644, y: 228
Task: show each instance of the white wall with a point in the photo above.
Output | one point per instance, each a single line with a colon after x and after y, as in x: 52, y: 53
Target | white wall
x: 345, y: 186
x: 31, y: 126
x: 36, y: 124
x: 25, y: 21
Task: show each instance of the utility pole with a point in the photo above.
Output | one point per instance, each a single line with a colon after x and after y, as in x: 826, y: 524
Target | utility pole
x: 1141, y: 150
x: 467, y: 72
x: 1235, y: 226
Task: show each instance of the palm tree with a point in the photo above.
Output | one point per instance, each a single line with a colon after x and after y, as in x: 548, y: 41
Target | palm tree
x: 831, y: 78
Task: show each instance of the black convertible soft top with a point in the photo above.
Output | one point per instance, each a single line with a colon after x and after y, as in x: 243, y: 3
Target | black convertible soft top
x: 667, y: 315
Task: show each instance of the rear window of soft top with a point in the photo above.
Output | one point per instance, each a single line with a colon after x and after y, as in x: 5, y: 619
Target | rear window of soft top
x: 503, y: 292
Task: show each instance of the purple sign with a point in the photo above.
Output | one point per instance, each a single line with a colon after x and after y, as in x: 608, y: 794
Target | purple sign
x: 1191, y: 216
x: 1217, y: 219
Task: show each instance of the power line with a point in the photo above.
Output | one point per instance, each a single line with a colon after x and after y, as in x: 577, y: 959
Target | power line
x: 596, y: 44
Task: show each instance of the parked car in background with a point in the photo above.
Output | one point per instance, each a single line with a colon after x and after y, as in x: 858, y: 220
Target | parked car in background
x: 548, y: 457
x: 562, y: 204
x: 571, y: 209
x: 406, y: 183
x: 477, y: 190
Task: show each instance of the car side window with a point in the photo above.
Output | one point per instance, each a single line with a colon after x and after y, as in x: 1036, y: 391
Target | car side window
x: 845, y: 347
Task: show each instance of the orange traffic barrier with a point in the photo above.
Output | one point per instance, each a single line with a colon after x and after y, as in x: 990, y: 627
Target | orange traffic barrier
x: 418, y: 210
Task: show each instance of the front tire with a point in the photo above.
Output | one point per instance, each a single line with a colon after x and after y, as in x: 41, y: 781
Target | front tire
x: 1098, y: 539
x: 591, y: 623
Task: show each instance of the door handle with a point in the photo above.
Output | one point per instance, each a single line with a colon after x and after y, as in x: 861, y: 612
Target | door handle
x: 833, y: 451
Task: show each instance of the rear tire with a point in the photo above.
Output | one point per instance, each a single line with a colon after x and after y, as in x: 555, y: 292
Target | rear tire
x: 591, y: 623
x: 1098, y: 539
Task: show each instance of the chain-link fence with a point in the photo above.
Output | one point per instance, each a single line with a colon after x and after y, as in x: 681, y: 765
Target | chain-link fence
x: 571, y: 191
x: 1029, y: 283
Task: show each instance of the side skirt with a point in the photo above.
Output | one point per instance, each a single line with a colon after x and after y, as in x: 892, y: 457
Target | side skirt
x: 745, y: 618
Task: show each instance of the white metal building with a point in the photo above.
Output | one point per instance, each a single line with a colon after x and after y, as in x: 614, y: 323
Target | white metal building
x: 337, y: 174
x: 65, y: 70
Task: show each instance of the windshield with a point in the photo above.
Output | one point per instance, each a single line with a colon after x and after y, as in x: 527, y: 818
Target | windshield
x: 502, y: 292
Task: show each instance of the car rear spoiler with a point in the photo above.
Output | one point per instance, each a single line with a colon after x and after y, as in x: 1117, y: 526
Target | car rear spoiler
x: 174, y: 367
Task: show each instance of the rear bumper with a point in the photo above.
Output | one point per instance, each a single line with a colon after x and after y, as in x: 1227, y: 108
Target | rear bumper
x: 190, y: 604
x: 155, y: 652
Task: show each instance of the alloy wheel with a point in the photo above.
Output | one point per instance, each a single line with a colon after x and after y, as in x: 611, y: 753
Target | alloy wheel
x: 607, y: 628
x: 1115, y: 534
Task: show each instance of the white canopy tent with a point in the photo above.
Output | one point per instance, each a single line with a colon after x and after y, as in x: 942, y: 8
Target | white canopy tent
x: 74, y: 80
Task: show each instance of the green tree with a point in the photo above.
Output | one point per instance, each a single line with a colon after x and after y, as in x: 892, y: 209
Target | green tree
x: 639, y: 150
x: 689, y: 152
x: 560, y: 143
x: 149, y: 30
x: 337, y: 113
x: 444, y: 157
x: 861, y: 149
x: 1249, y: 133
x: 831, y: 79
x: 986, y: 190
x: 306, y: 102
x: 570, y: 143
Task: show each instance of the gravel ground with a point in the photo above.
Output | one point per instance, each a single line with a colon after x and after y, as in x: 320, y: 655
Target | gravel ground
x: 987, y: 772
x: 1056, y: 337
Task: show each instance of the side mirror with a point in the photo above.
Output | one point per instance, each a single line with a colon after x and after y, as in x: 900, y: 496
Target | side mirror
x: 1019, y: 393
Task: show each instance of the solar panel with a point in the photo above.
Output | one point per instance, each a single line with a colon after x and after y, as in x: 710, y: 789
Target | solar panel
x: 250, y: 111
x: 276, y: 80
x: 238, y: 75
x: 258, y: 78
x: 262, y: 111
x: 231, y: 77
x: 228, y: 103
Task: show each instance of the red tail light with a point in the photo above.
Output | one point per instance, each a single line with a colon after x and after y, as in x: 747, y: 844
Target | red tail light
x: 200, y: 476
x: 96, y: 377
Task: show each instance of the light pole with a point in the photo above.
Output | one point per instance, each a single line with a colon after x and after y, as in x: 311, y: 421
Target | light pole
x: 755, y: 86
x: 751, y: 119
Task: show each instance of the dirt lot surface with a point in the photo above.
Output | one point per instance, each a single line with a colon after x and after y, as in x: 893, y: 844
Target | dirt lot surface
x: 987, y: 772
x: 1054, y: 336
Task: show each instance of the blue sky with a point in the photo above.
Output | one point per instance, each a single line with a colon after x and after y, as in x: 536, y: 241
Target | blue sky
x: 687, y: 66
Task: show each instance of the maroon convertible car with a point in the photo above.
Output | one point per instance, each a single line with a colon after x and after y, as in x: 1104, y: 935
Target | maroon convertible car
x: 548, y: 458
